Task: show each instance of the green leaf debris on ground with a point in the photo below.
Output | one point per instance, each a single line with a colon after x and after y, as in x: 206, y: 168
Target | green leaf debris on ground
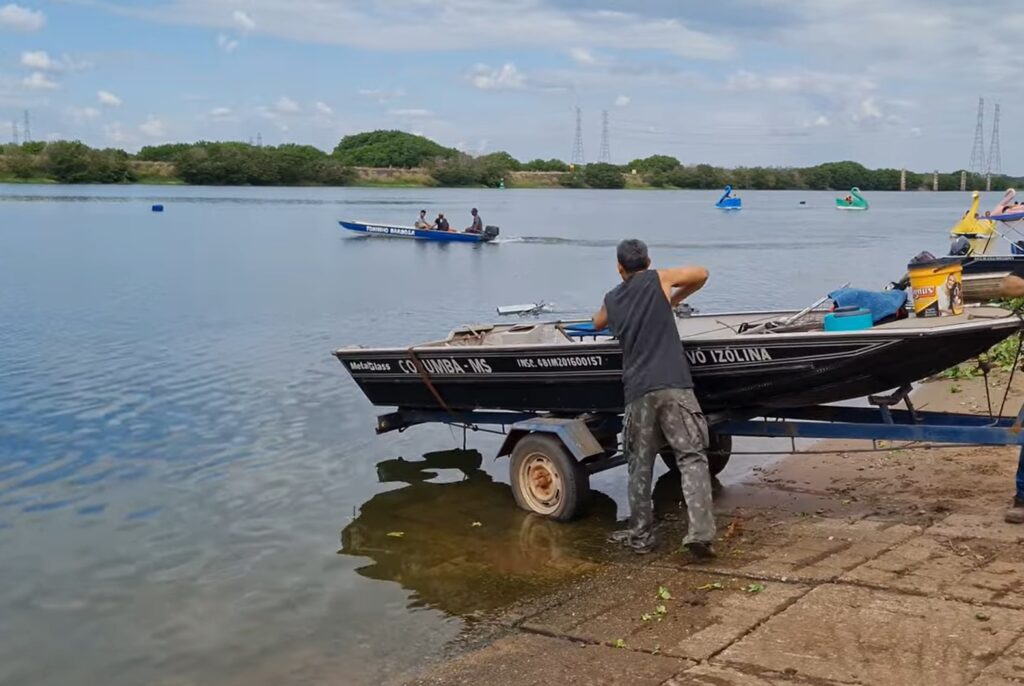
x: 663, y: 593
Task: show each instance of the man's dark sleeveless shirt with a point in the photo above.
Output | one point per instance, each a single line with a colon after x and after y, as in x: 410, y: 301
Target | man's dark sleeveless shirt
x: 641, y: 318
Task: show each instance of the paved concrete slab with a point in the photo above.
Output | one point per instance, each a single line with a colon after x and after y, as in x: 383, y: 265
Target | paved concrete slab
x: 635, y: 586
x: 987, y: 526
x: 714, y: 675
x: 815, y: 550
x: 975, y: 570
x: 858, y: 635
x: 1007, y: 670
x: 706, y: 612
x: 531, y: 660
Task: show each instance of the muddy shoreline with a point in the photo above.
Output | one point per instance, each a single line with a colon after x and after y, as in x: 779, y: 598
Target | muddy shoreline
x: 837, y: 568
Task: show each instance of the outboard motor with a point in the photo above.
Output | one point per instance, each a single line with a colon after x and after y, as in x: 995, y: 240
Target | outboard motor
x: 490, y: 233
x: 960, y: 247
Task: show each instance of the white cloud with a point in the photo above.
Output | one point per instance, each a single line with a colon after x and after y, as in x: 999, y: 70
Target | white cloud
x: 382, y: 96
x: 868, y: 111
x: 109, y: 99
x: 465, y: 25
x: 115, y: 133
x: 411, y: 112
x: 37, y: 59
x: 323, y: 108
x: 40, y: 59
x: 286, y: 105
x: 506, y: 77
x: 821, y: 121
x: 153, y: 127
x: 582, y: 56
x: 221, y: 112
x: 622, y: 101
x: 82, y: 114
x: 18, y: 18
x: 244, y: 21
x: 39, y: 81
x: 228, y: 45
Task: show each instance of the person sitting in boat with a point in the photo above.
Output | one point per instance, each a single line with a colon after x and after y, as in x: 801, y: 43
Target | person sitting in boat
x: 441, y: 224
x: 661, y: 406
x: 478, y: 224
x: 422, y: 222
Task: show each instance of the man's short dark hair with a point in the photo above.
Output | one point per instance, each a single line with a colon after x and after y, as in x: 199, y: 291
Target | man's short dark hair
x: 632, y: 255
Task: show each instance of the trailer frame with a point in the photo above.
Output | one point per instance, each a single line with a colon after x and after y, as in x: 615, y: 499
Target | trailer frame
x: 590, y: 441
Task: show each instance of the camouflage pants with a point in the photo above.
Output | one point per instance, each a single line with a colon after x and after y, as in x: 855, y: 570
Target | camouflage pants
x: 670, y: 416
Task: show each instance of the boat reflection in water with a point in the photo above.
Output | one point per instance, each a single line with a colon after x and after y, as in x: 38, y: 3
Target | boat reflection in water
x: 458, y: 546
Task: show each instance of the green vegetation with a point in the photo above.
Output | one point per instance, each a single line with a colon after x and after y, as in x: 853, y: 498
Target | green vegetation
x: 397, y: 158
x: 390, y: 149
x: 66, y: 162
x: 603, y: 175
x: 239, y: 164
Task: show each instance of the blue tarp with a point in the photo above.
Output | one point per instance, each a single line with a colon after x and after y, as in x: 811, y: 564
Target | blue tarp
x: 881, y: 304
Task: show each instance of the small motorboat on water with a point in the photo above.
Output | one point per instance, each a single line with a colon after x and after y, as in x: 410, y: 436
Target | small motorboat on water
x: 853, y: 201
x: 739, y: 361
x: 391, y: 231
x: 728, y: 201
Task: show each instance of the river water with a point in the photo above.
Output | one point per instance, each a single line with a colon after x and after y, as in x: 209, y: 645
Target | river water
x: 191, y: 491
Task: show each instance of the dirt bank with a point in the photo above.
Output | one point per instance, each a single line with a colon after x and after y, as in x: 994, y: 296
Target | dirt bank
x: 843, y: 568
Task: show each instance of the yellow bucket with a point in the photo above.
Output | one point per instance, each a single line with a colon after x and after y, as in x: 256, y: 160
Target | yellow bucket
x: 937, y: 287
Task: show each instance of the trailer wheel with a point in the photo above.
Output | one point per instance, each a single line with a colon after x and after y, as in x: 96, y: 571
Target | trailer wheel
x: 719, y: 452
x: 546, y: 479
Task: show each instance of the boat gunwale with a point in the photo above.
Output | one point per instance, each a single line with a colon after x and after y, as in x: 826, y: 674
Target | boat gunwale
x: 1009, y: 320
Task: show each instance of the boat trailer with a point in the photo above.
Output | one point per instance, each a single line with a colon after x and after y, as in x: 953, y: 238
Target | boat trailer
x: 552, y: 457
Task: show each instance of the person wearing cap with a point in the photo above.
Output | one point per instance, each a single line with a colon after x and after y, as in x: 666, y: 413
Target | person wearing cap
x: 422, y: 222
x: 661, y: 407
x: 478, y: 224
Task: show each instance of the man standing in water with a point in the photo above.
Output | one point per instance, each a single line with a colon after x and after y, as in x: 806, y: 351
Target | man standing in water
x: 660, y: 403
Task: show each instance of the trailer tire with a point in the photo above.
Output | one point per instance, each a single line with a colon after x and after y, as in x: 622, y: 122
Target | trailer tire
x: 546, y: 480
x: 719, y: 452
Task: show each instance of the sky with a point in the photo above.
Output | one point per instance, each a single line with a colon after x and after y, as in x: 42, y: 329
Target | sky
x: 734, y: 82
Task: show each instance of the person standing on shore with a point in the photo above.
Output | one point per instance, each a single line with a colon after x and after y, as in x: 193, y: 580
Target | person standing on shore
x: 661, y: 406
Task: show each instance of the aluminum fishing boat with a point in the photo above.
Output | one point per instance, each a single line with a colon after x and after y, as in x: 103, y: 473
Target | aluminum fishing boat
x: 739, y: 360
x: 390, y: 231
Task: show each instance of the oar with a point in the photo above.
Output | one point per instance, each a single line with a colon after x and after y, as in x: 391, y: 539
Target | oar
x: 804, y: 312
x: 796, y: 317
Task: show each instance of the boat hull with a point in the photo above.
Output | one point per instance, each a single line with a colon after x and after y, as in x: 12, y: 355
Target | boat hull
x: 732, y: 374
x: 983, y: 275
x: 388, y: 231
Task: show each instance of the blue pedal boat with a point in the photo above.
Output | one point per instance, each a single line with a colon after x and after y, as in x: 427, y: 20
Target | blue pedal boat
x: 728, y: 201
x: 388, y: 231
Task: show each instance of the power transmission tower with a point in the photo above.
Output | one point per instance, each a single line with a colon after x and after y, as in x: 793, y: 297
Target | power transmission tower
x: 259, y: 139
x: 606, y: 152
x: 577, y: 145
x: 25, y: 135
x: 995, y: 158
x: 977, y: 165
x: 14, y: 131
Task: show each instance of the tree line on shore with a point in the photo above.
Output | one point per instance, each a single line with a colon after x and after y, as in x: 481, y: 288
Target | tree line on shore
x: 232, y: 163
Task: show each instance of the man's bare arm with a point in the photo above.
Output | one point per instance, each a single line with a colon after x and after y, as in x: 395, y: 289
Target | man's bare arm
x: 679, y: 283
x: 600, y: 319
